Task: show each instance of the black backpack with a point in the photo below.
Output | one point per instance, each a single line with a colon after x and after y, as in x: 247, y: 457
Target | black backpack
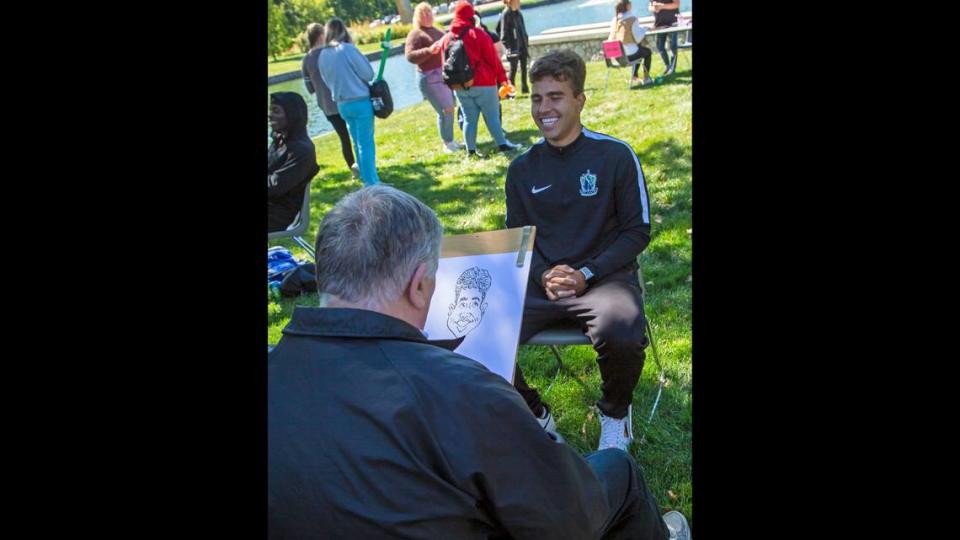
x: 300, y: 281
x: 457, y: 73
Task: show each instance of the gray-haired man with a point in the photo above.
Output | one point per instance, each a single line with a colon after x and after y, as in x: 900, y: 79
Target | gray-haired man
x: 376, y: 432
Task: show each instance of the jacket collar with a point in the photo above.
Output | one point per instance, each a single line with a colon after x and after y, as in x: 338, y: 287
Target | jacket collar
x: 570, y: 148
x: 357, y: 323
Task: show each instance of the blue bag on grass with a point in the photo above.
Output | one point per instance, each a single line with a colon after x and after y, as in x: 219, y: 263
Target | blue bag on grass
x: 280, y: 262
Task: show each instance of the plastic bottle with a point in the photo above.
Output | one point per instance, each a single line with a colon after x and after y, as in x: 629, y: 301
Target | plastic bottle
x: 275, y: 290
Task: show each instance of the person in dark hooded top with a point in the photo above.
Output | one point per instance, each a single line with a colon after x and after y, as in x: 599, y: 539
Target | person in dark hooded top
x: 291, y: 160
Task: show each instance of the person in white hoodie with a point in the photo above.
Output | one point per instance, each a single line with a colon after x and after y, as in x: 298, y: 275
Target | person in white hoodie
x: 627, y: 29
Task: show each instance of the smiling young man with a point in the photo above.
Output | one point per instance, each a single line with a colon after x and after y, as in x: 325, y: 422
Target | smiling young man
x: 585, y: 193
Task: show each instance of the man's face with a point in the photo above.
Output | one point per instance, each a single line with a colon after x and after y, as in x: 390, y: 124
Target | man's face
x: 466, y: 312
x: 278, y: 119
x: 555, y: 110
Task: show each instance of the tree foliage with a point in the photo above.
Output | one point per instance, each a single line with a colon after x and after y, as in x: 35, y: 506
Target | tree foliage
x: 287, y: 19
x: 278, y: 34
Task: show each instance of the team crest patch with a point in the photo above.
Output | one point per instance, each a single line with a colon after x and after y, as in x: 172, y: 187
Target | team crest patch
x: 588, y: 184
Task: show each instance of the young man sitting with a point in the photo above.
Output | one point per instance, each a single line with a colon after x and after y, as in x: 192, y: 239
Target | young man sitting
x: 585, y: 193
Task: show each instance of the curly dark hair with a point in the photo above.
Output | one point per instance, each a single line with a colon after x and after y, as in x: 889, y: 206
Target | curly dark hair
x: 474, y: 278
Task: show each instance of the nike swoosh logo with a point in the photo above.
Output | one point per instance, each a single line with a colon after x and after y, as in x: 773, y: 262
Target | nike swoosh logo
x: 534, y: 189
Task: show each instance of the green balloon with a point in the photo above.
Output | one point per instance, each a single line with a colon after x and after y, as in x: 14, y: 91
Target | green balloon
x: 385, y: 45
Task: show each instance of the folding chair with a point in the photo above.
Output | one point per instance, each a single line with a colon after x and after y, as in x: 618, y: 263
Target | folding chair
x: 616, y: 57
x: 571, y: 333
x: 300, y: 223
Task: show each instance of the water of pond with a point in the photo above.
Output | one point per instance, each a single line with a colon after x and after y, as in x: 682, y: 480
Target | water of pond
x: 402, y: 76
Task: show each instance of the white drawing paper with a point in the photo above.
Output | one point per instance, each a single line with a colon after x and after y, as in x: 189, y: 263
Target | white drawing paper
x: 481, y: 297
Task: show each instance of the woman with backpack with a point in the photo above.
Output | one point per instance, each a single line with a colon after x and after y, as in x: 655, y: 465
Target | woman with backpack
x: 347, y: 73
x: 422, y: 49
x: 480, y: 95
x: 626, y: 29
x: 513, y: 33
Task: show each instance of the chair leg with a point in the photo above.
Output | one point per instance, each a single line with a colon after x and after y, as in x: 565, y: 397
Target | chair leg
x: 656, y: 359
x: 306, y: 247
x: 606, y: 81
x: 653, y: 345
x: 556, y: 354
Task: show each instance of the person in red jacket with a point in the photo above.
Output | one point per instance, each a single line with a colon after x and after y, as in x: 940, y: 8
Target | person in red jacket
x: 488, y: 72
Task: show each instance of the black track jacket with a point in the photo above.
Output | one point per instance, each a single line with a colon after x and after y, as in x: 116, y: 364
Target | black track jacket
x: 588, y: 201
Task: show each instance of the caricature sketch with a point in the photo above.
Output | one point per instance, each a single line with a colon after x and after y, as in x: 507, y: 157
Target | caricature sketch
x: 469, y: 305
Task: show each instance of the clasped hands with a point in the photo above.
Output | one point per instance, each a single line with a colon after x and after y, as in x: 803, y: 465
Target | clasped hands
x: 561, y: 281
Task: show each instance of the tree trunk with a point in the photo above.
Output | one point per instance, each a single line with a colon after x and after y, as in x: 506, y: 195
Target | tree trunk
x: 405, y: 11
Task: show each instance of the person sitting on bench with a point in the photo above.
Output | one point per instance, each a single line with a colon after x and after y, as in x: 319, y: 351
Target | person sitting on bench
x: 291, y: 160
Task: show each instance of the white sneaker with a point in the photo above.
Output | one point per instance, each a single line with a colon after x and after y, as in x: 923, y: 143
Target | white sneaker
x: 452, y: 146
x: 616, y: 433
x: 355, y: 170
x: 546, y: 421
x: 677, y: 525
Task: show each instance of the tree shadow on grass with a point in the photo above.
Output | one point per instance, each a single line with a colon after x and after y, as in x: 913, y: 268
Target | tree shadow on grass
x: 671, y: 191
x: 674, y: 160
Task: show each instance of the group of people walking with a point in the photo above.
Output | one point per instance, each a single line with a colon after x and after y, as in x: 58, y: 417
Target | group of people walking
x: 426, y: 47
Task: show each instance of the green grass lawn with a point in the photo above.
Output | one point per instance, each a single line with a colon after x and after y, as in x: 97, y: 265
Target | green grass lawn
x: 468, y: 196
x: 284, y: 64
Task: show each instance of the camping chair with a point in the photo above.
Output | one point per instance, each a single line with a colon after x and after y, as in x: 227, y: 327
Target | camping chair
x: 300, y: 223
x: 616, y: 57
x: 571, y: 333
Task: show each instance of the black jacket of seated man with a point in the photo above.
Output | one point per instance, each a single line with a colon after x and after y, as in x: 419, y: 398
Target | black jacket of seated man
x: 376, y: 432
x: 291, y: 160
